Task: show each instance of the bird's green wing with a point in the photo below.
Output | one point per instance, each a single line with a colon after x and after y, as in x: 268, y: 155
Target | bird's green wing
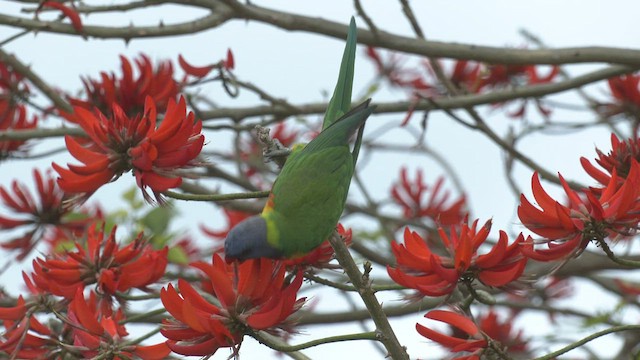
x: 309, y: 195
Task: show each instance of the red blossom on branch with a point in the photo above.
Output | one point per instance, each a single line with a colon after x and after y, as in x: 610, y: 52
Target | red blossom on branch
x: 432, y: 275
x: 39, y: 214
x: 470, y: 340
x: 68, y: 12
x: 130, y: 91
x: 622, y: 154
x: 103, y: 262
x: 13, y: 115
x: 418, y: 200
x: 99, y: 335
x: 612, y: 211
x: 251, y: 295
x: 119, y: 143
x: 625, y: 91
x: 27, y: 338
x: 503, y: 332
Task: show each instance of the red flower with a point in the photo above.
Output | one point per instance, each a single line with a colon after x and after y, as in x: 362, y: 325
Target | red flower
x: 609, y: 212
x: 28, y: 339
x: 13, y: 115
x: 502, y: 332
x: 66, y: 11
x: 321, y: 256
x: 251, y: 295
x: 625, y: 91
x: 99, y: 335
x: 619, y: 159
x: 119, y: 144
x: 130, y: 91
x: 465, y: 75
x: 498, y: 76
x: 40, y: 215
x: 433, y: 275
x: 418, y: 200
x: 100, y: 262
x: 472, y: 342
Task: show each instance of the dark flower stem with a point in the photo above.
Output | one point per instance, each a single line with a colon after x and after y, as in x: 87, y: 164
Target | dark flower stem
x: 372, y: 335
x: 587, y: 339
x: 345, y: 287
x: 361, y: 282
x: 216, y: 197
x: 614, y: 258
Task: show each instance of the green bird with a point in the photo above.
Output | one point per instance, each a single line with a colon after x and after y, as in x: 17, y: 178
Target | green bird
x: 307, y: 198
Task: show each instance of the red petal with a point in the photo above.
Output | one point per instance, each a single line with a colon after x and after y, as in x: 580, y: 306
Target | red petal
x: 197, y: 71
x: 68, y: 12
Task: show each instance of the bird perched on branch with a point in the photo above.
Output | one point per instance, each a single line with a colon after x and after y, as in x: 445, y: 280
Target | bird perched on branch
x: 307, y: 198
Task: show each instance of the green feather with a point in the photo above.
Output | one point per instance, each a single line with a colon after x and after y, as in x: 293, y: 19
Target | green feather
x: 340, y: 102
x: 311, y: 190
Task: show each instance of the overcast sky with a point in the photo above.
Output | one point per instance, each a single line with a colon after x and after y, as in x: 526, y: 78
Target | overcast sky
x: 302, y: 68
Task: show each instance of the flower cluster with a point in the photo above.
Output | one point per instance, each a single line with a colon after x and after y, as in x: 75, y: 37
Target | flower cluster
x: 13, y: 114
x: 120, y: 143
x: 82, y: 328
x: 471, y: 339
x: 129, y: 91
x: 418, y: 200
x: 595, y: 214
x: 420, y: 268
x: 252, y: 295
x: 488, y: 338
x: 625, y: 93
x: 39, y: 215
x: 469, y: 76
x: 100, y: 261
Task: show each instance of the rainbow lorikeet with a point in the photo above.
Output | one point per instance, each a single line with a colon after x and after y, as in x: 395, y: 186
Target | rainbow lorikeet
x: 308, y: 197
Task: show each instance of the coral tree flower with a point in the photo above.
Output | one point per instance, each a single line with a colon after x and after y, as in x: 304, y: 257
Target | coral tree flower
x: 472, y: 341
x: 13, y: 115
x: 251, y: 295
x: 129, y: 91
x: 418, y: 200
x: 119, y: 143
x: 422, y: 269
x: 27, y: 338
x: 503, y: 332
x: 625, y: 91
x: 98, y: 335
x: 39, y: 214
x: 102, y: 262
x: 611, y: 211
x: 619, y: 158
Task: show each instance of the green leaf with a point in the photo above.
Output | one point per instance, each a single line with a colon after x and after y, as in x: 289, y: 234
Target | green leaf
x: 177, y: 255
x: 340, y: 102
x: 157, y: 220
x: 131, y: 197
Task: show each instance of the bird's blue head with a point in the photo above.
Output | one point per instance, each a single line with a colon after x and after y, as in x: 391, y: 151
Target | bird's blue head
x: 248, y: 240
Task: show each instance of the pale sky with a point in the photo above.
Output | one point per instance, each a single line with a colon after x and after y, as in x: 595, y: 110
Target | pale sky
x: 301, y: 67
